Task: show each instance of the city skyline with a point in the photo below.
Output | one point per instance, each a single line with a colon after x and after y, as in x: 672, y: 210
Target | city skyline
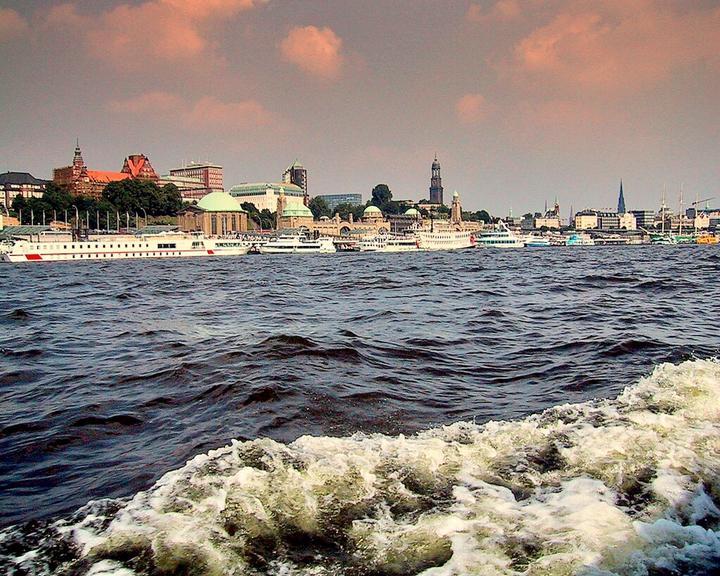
x: 522, y: 101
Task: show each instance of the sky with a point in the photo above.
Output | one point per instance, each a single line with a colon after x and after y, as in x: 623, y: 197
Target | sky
x: 523, y: 101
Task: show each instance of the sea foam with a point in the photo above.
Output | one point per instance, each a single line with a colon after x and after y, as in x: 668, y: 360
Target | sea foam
x: 628, y: 486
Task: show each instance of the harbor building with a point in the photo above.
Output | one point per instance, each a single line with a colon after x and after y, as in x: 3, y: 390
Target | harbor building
x: 215, y: 214
x: 334, y: 200
x: 13, y: 184
x: 436, y: 188
x: 644, y: 218
x: 78, y: 180
x: 297, y: 174
x: 264, y: 195
x: 586, y: 220
x: 551, y: 219
x: 196, y: 179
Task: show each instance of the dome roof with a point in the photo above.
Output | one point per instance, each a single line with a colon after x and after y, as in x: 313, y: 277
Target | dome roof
x: 455, y: 194
x: 219, y: 202
x: 372, y: 210
x: 297, y: 211
x: 412, y: 212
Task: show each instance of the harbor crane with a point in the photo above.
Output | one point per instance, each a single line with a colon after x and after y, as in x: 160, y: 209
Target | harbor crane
x: 695, y: 205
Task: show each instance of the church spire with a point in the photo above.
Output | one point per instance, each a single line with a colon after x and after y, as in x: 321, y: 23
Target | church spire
x: 621, y: 200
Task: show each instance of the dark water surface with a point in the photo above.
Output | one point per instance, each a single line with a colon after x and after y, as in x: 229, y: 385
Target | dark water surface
x: 111, y: 374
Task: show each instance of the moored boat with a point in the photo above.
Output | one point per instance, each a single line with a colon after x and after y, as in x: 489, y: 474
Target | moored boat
x: 389, y: 243
x: 579, y: 239
x: 500, y: 237
x: 120, y: 247
x: 298, y: 244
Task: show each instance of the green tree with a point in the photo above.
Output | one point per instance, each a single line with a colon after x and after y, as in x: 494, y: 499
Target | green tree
x: 483, y: 216
x: 381, y: 195
x: 134, y: 195
x: 319, y: 207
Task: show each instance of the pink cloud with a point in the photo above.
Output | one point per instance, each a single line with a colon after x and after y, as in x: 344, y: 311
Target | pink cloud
x: 149, y: 103
x: 12, y: 24
x: 615, y: 45
x: 206, y: 114
x: 314, y: 50
x: 471, y: 108
x: 162, y: 31
x: 501, y: 10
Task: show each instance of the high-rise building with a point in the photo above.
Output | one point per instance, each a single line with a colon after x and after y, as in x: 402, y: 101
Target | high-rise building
x: 296, y: 174
x: 196, y: 179
x: 436, y: 189
x: 621, y: 200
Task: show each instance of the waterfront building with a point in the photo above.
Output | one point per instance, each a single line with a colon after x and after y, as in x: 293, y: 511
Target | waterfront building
x: 264, y: 195
x: 138, y: 166
x: 333, y: 200
x: 551, y: 218
x: 436, y: 188
x: 78, y: 180
x: 644, y: 218
x: 191, y: 189
x: 207, y: 173
x: 586, y: 220
x: 627, y: 221
x: 608, y: 220
x: 215, y: 214
x: 13, y: 184
x: 297, y: 174
x: 292, y: 215
x: 621, y: 200
x: 399, y: 223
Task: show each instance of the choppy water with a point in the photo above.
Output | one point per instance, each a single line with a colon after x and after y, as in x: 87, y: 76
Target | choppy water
x: 113, y: 374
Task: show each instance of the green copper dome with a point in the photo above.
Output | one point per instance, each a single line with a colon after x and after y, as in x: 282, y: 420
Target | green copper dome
x: 411, y: 212
x: 219, y: 202
x: 372, y: 210
x: 297, y: 211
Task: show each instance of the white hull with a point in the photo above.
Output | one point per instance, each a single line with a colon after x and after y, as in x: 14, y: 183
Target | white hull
x: 389, y: 244
x: 298, y: 245
x: 445, y: 240
x: 121, y: 248
x: 500, y: 238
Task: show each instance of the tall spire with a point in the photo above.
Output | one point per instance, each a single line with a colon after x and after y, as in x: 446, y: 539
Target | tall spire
x: 621, y: 200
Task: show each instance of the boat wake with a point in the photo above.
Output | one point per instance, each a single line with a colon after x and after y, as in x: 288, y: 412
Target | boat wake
x: 627, y: 486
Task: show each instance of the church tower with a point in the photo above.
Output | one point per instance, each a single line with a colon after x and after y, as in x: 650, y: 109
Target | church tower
x: 436, y: 189
x: 621, y: 200
x: 78, y: 162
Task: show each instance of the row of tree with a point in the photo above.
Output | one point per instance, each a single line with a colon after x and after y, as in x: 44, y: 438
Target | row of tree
x: 132, y: 197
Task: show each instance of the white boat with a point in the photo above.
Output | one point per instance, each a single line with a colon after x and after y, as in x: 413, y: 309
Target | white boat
x: 297, y: 244
x: 534, y: 241
x: 389, y: 243
x: 120, y: 247
x: 579, y: 239
x: 444, y: 238
x: 501, y: 237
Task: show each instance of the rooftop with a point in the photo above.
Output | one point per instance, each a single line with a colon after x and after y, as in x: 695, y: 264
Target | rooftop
x: 20, y: 178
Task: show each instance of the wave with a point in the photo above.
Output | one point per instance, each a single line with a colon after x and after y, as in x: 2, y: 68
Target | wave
x: 627, y: 486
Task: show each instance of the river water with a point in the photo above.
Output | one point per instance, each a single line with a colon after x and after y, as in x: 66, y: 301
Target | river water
x: 362, y: 413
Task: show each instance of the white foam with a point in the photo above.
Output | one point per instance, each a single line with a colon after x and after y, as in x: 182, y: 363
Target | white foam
x: 611, y: 487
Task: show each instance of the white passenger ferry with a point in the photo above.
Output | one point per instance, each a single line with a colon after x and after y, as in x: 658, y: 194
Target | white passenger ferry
x: 120, y: 247
x: 389, y: 243
x: 297, y: 244
x: 444, y: 236
x: 501, y: 237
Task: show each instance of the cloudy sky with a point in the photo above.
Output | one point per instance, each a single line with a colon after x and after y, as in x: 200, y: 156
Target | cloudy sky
x: 522, y: 100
